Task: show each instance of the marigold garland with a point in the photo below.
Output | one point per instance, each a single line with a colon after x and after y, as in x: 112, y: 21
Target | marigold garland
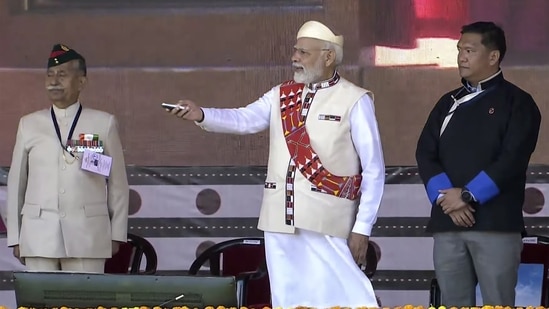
x: 337, y: 307
x: 301, y: 307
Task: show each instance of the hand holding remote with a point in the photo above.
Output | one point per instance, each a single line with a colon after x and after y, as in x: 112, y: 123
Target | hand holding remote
x: 185, y: 109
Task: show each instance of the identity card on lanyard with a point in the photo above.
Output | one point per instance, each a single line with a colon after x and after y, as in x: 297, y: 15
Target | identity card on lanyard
x: 92, y: 160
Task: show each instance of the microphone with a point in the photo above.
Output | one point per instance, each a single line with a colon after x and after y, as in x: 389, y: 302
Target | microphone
x: 171, y: 300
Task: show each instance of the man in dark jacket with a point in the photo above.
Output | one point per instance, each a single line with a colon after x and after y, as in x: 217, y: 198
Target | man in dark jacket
x: 472, y: 155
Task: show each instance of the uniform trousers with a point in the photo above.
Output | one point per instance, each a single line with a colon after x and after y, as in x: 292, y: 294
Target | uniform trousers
x: 65, y: 264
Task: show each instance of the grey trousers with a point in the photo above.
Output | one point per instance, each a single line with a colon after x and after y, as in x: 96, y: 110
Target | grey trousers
x: 463, y: 259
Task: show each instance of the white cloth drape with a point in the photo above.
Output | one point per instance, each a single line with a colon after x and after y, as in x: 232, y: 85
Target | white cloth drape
x: 315, y: 270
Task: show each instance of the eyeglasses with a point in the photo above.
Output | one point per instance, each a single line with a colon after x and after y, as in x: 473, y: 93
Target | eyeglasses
x: 307, y: 51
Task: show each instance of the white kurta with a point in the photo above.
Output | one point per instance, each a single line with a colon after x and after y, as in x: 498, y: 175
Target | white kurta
x: 320, y: 272
x: 309, y: 268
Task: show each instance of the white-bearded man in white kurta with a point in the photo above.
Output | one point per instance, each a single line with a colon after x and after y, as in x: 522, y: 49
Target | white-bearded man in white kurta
x: 316, y: 224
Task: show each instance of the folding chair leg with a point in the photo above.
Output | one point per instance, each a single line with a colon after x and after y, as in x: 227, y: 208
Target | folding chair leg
x: 434, y: 294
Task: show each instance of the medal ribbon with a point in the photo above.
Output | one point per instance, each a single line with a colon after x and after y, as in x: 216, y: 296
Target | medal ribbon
x: 73, y: 126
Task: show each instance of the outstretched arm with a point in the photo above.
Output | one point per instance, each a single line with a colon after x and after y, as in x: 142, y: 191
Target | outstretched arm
x: 253, y: 118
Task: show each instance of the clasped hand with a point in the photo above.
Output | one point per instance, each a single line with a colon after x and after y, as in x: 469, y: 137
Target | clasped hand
x: 460, y: 212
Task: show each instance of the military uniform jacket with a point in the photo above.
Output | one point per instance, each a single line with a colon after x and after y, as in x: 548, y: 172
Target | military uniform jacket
x: 54, y: 208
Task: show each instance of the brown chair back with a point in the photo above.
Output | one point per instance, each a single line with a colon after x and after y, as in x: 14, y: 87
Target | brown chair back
x: 243, y: 258
x: 129, y: 257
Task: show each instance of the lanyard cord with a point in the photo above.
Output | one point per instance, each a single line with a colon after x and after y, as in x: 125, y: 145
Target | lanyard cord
x: 73, y: 126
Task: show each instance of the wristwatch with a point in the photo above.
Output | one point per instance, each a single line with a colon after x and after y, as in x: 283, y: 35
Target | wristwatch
x: 467, y: 196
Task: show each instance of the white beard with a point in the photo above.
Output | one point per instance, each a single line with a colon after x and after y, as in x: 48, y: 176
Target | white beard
x: 308, y: 76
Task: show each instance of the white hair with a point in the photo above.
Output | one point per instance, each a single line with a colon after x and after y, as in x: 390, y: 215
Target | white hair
x: 337, y: 49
